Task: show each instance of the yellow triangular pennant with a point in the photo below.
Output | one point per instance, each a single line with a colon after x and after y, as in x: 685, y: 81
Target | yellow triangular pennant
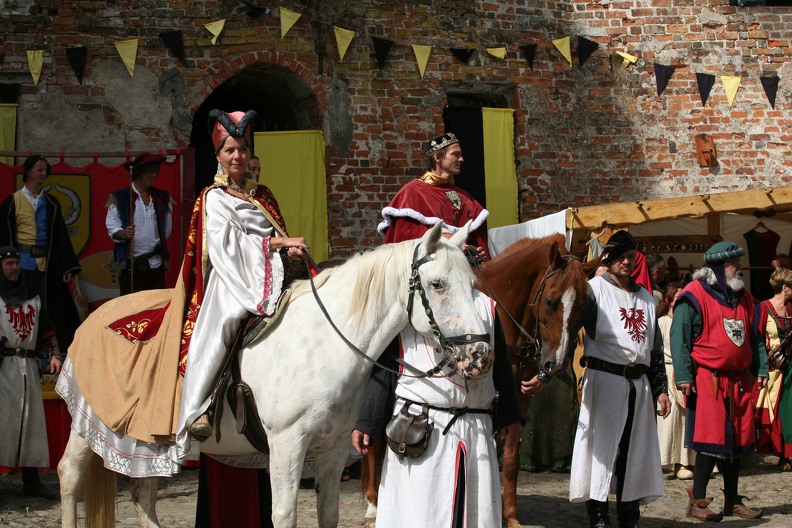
x: 35, y: 62
x: 628, y: 59
x: 497, y: 52
x: 343, y: 38
x: 215, y: 28
x: 422, y: 56
x: 562, y: 45
x: 288, y: 19
x: 127, y: 49
x: 731, y: 85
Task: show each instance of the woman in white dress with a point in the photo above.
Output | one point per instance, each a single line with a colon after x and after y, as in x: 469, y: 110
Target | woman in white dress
x: 674, y: 456
x: 243, y: 238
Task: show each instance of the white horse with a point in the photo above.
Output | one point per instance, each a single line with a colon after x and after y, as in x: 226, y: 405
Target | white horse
x: 307, y: 382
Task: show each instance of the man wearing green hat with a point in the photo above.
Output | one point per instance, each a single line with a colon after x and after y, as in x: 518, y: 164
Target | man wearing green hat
x: 717, y: 354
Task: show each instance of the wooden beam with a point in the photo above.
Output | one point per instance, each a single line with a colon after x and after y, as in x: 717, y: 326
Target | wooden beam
x: 636, y: 213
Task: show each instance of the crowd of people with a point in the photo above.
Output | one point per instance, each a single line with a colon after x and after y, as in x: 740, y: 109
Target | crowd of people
x: 685, y: 375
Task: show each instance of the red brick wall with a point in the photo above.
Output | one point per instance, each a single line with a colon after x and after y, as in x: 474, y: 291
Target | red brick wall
x: 584, y: 135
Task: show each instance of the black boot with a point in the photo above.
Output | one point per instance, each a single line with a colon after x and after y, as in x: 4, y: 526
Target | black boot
x: 628, y: 513
x: 33, y: 487
x: 597, y: 514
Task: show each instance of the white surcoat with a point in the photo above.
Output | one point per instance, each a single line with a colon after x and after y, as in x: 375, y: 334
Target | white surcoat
x: 23, y: 435
x: 625, y: 334
x: 420, y: 491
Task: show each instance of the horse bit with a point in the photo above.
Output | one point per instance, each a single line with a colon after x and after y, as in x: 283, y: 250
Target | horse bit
x: 446, y: 343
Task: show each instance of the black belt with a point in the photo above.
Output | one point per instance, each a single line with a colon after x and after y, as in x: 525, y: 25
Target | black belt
x: 17, y: 352
x: 631, y: 372
x: 33, y: 251
x: 457, y: 412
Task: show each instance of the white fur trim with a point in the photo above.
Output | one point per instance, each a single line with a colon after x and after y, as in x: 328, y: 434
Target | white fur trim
x: 390, y: 214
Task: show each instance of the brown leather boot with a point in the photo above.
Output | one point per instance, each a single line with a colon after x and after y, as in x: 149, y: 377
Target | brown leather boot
x: 699, y: 509
x: 736, y: 507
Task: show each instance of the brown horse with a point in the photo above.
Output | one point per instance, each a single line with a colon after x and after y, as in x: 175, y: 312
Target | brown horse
x: 539, y: 289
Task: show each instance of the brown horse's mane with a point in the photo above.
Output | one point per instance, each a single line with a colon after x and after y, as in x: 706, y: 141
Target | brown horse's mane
x: 526, y: 245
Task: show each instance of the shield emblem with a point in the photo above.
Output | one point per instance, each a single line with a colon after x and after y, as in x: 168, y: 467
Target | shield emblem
x: 735, y: 329
x: 73, y: 192
x: 455, y: 200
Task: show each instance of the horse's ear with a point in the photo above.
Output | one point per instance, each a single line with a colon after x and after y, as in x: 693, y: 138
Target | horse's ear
x: 556, y: 259
x: 460, y: 236
x: 432, y: 237
x: 591, y: 266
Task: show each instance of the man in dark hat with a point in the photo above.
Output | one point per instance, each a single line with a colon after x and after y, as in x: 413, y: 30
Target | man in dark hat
x: 616, y: 448
x: 25, y: 332
x: 139, y: 222
x: 717, y: 354
x: 433, y: 198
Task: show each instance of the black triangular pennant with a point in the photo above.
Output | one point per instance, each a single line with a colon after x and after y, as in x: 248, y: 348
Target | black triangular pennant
x: 705, y: 84
x: 663, y: 75
x: 770, y: 85
x: 77, y: 57
x: 382, y: 49
x: 463, y: 54
x: 529, y: 52
x: 174, y: 42
x: 585, y: 48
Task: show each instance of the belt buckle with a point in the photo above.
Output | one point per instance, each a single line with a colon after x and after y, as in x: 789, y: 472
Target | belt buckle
x: 20, y: 352
x: 627, y: 370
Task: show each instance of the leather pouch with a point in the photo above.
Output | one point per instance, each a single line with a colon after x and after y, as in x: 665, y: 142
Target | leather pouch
x: 408, y: 434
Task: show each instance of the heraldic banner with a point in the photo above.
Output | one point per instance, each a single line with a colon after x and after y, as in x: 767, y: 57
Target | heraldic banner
x: 83, y: 193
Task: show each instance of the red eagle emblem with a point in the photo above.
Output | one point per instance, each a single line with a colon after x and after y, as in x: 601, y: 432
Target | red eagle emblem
x: 21, y: 321
x: 634, y: 323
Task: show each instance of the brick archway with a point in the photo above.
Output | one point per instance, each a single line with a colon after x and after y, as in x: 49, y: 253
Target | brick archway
x: 284, y: 93
x: 224, y: 68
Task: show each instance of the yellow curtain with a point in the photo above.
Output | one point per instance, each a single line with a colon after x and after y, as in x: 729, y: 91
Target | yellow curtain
x: 8, y: 113
x: 293, y: 167
x: 499, y: 168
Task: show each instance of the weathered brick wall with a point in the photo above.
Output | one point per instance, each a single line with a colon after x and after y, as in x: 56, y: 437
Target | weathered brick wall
x: 584, y: 135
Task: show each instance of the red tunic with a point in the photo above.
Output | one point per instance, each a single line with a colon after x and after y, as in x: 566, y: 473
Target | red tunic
x: 721, y: 413
x: 418, y: 206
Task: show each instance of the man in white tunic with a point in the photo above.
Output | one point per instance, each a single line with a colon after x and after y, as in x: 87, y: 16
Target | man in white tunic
x: 25, y: 330
x: 616, y: 449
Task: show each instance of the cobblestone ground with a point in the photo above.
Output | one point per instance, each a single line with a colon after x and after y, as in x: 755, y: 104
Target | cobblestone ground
x: 542, y: 501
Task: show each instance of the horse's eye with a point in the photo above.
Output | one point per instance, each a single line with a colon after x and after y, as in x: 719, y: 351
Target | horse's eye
x: 551, y: 303
x: 437, y: 285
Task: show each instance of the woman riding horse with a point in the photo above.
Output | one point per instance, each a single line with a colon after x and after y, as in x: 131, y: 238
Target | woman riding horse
x: 244, y: 236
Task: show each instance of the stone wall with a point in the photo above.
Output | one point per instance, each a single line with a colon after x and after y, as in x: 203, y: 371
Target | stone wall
x: 584, y: 135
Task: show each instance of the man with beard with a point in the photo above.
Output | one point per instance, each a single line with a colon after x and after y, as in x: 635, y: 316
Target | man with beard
x: 25, y: 330
x: 616, y: 448
x: 717, y: 353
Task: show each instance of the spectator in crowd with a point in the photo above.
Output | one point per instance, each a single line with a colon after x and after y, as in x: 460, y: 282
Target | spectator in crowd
x: 657, y: 274
x: 254, y: 167
x: 674, y: 456
x: 717, y: 353
x: 26, y: 332
x: 32, y: 222
x: 139, y: 222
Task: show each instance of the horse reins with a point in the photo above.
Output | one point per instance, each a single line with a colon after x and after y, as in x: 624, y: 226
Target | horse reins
x: 532, y: 343
x: 415, y: 286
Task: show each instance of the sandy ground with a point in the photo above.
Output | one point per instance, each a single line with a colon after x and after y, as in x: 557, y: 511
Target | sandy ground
x: 542, y: 501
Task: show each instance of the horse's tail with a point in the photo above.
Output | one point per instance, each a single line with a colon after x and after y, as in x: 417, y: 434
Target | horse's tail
x: 99, y: 494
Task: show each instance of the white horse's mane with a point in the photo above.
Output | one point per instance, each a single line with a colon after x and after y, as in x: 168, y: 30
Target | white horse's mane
x: 372, y: 270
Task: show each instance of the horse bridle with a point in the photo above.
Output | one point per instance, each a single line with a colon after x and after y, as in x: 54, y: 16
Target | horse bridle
x: 415, y: 286
x: 532, y: 343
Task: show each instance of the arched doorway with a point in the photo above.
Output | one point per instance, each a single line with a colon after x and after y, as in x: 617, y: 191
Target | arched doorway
x: 281, y: 98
